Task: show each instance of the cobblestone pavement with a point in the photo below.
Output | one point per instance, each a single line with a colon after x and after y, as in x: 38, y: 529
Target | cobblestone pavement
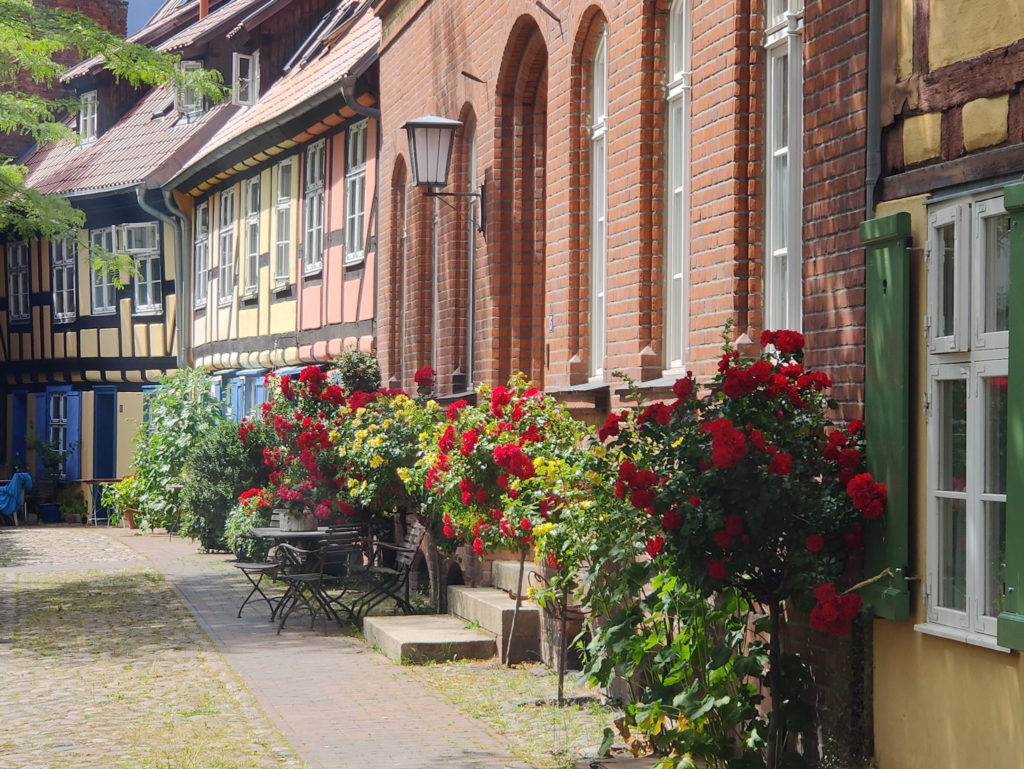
x: 106, y: 661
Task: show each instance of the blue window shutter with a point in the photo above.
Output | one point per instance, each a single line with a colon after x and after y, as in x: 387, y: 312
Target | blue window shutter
x: 104, y: 453
x: 887, y: 408
x: 259, y: 392
x: 147, y: 391
x: 1010, y: 623
x: 73, y: 460
x: 19, y: 426
x: 236, y: 397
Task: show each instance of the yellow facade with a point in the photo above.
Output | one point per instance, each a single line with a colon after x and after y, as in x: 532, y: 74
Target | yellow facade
x: 922, y: 137
x: 938, y: 703
x: 985, y: 122
x: 962, y: 29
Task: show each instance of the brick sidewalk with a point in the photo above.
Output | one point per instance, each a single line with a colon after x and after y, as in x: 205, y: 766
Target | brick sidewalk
x: 340, y: 704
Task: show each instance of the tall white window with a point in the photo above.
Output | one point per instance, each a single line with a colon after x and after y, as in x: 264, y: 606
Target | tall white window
x: 189, y: 101
x: 87, y: 117
x: 283, y: 216
x: 18, y: 282
x: 245, y: 78
x: 252, y: 235
x: 103, y: 289
x: 677, y: 176
x: 355, y: 193
x: 226, y: 248
x: 784, y: 131
x: 201, y: 250
x: 598, y: 202
x: 63, y: 261
x: 968, y: 283
x: 313, y: 245
x: 140, y: 242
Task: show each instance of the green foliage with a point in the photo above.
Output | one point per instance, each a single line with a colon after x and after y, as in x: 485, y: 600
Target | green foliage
x: 120, y: 496
x: 220, y: 467
x: 241, y: 520
x: 357, y: 371
x: 50, y: 456
x: 30, y: 37
x: 181, y: 412
x: 73, y: 506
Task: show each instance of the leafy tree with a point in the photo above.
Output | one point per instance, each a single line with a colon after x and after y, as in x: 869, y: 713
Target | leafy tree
x: 31, y: 39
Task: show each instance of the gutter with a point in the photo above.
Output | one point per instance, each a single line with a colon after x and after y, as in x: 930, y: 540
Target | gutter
x: 348, y: 87
x: 183, y: 280
x: 179, y: 306
x: 873, y: 164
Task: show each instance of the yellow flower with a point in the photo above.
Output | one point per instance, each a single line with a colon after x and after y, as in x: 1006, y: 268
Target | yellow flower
x: 333, y: 435
x: 433, y: 406
x: 541, y: 529
x: 593, y: 477
x: 351, y: 483
x: 483, y: 389
x: 376, y: 462
x: 375, y: 442
x: 599, y: 451
x: 361, y: 435
x: 360, y: 411
x: 387, y: 424
x: 342, y: 451
x: 403, y: 474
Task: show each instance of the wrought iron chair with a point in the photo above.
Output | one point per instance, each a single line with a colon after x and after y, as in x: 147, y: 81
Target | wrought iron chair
x: 257, y: 571
x: 318, y: 579
x: 391, y: 581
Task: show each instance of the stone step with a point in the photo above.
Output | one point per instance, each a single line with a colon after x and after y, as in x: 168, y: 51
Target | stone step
x: 420, y: 638
x: 492, y: 609
x: 505, y: 575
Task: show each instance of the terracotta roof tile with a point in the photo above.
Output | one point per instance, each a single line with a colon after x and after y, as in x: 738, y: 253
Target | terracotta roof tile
x: 142, y: 144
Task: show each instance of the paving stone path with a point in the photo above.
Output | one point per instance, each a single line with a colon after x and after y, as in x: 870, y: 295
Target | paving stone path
x: 122, y: 650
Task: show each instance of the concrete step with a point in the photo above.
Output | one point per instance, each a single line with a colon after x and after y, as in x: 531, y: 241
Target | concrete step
x: 505, y: 575
x: 492, y: 610
x: 420, y: 638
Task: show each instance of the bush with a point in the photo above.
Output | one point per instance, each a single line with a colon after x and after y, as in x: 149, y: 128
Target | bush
x: 238, y: 530
x: 358, y: 371
x: 220, y: 467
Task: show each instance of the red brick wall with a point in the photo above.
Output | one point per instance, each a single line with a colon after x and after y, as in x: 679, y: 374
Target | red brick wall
x: 531, y: 270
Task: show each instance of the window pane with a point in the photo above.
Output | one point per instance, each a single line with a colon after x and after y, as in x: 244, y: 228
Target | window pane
x: 947, y: 277
x: 995, y: 434
x: 995, y: 556
x: 952, y: 554
x: 997, y: 273
x: 952, y: 406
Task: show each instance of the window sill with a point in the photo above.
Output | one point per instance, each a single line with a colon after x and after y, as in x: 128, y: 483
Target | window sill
x: 64, y: 320
x: 199, y: 305
x: 312, y: 271
x: 104, y: 310
x: 224, y: 301
x: 355, y: 260
x: 251, y: 293
x: 957, y: 634
x: 282, y: 286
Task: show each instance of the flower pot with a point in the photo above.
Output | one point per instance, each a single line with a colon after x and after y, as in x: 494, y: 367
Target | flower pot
x: 49, y: 512
x: 307, y: 522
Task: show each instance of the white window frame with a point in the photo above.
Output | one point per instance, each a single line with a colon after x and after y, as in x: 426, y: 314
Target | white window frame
x: 18, y: 283
x: 970, y: 355
x: 783, y: 268
x: 201, y: 255
x: 57, y: 424
x: 284, y: 175
x: 677, y: 176
x: 189, y: 102
x: 598, y: 134
x: 141, y: 242
x: 245, y: 78
x: 251, y: 273
x: 88, y: 117
x: 355, y: 192
x: 226, y: 247
x: 104, y: 292
x: 64, y: 284
x: 313, y: 206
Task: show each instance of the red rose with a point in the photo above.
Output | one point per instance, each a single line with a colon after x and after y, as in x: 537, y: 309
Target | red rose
x: 723, y: 540
x: 767, y: 338
x: 780, y: 463
x: 478, y: 546
x: 683, y: 388
x: 455, y: 408
x: 671, y: 519
x: 716, y: 570
x: 815, y: 543
x: 424, y: 377
x: 854, y: 539
x: 694, y: 501
x: 856, y: 426
x: 655, y: 546
x: 733, y: 525
x: 789, y: 342
x: 849, y: 458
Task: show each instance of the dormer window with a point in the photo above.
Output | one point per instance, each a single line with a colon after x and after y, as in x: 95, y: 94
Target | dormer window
x: 87, y: 117
x: 189, y: 101
x: 245, y: 80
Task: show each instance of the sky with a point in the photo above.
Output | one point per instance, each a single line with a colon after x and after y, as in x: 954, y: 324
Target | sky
x: 141, y: 11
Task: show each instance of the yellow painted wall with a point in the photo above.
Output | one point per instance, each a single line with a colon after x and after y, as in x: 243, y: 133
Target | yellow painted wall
x: 905, y: 38
x: 129, y: 418
x: 938, y: 704
x: 960, y: 29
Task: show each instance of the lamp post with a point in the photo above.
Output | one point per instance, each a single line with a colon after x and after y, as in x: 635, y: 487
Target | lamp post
x: 430, y: 153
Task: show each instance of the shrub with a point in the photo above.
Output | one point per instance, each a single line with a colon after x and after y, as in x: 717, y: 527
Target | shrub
x: 238, y: 527
x: 220, y: 467
x: 358, y: 371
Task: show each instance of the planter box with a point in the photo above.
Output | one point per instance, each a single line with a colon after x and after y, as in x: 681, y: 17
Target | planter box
x: 49, y: 512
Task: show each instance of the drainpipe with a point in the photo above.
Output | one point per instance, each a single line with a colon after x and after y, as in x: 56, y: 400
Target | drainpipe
x: 182, y: 280
x: 179, y: 317
x: 874, y: 107
x: 348, y: 93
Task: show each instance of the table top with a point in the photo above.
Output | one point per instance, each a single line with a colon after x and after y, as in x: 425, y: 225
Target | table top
x: 275, y: 533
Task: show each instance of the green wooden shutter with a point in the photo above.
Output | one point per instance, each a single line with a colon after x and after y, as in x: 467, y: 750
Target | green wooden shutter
x: 887, y: 408
x: 1010, y: 625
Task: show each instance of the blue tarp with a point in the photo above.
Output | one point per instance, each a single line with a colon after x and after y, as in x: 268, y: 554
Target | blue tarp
x: 12, y: 493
